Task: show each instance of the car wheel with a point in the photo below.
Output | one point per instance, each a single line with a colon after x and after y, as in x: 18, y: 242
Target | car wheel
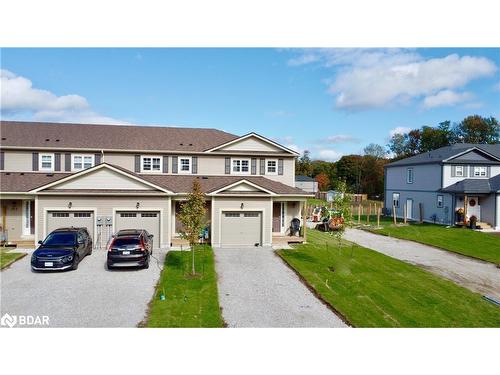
x: 90, y: 252
x: 74, y: 266
x: 146, y: 265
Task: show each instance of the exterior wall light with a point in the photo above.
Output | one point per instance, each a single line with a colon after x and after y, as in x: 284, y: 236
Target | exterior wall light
x: 137, y: 205
x: 70, y: 204
x: 242, y: 205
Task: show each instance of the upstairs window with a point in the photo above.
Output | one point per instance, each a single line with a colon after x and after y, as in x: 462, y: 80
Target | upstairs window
x: 409, y: 175
x: 46, y: 162
x: 241, y: 165
x: 271, y: 167
x: 82, y: 162
x: 151, y: 164
x: 480, y: 172
x: 459, y: 171
x: 184, y: 165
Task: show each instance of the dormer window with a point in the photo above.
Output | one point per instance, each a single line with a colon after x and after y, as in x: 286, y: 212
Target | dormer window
x: 480, y: 172
x: 151, y: 164
x: 240, y: 165
x: 81, y: 162
x: 46, y: 162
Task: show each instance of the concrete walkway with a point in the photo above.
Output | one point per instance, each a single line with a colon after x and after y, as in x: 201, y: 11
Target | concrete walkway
x: 478, y: 276
x: 257, y: 289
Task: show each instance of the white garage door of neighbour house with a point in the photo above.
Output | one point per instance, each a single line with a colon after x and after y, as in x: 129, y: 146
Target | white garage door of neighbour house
x: 241, y: 228
x: 65, y: 219
x: 148, y: 220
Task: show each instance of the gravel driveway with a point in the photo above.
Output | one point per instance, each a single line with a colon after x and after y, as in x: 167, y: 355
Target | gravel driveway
x: 256, y: 289
x: 478, y: 276
x: 91, y: 296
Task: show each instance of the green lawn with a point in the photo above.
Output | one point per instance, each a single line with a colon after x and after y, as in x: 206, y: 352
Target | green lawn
x: 7, y: 257
x: 463, y: 241
x: 374, y: 290
x: 322, y: 202
x: 190, y: 301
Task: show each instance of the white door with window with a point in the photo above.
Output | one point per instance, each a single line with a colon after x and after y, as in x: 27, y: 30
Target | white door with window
x: 473, y: 208
x: 409, y: 208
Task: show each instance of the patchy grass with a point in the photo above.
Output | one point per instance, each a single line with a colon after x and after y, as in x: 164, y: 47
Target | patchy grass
x: 458, y: 240
x: 191, y: 301
x: 322, y: 202
x: 7, y: 257
x: 373, y: 290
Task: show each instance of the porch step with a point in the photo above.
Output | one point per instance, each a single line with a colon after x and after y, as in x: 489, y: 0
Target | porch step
x: 23, y: 244
x: 483, y: 225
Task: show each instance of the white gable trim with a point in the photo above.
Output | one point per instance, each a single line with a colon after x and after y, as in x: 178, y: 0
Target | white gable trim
x: 480, y: 150
x: 96, y: 168
x: 264, y: 139
x: 222, y: 189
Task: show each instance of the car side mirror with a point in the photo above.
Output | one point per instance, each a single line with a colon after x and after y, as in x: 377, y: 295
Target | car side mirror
x: 40, y: 242
x: 81, y: 242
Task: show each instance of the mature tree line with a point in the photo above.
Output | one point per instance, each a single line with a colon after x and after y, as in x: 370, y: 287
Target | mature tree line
x: 365, y: 173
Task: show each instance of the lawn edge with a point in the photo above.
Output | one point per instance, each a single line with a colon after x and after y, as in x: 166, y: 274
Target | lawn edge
x: 374, y: 231
x: 314, y: 291
x: 11, y: 262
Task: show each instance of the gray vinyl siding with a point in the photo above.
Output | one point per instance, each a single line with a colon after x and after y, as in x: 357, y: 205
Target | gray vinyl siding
x: 426, y: 177
x: 487, y: 204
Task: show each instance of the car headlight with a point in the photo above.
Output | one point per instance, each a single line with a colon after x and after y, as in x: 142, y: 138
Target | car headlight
x: 68, y: 258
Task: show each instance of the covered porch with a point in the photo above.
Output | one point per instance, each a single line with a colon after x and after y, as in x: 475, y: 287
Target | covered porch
x: 476, y: 210
x: 17, y: 225
x: 288, y: 219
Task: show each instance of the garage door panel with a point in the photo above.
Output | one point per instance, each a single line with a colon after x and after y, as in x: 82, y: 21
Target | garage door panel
x: 241, y: 228
x: 65, y: 219
x: 148, y: 220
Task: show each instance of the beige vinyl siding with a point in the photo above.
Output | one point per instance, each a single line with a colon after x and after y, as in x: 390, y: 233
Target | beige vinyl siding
x: 103, y: 178
x: 252, y: 144
x: 17, y: 161
x: 104, y: 207
x: 120, y: 159
x: 220, y: 204
x: 293, y: 210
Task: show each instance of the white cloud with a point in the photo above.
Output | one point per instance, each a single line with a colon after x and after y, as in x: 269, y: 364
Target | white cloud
x: 496, y: 87
x: 446, y: 98
x: 328, y: 155
x: 341, y: 138
x: 399, y: 130
x: 18, y: 95
x: 372, y: 78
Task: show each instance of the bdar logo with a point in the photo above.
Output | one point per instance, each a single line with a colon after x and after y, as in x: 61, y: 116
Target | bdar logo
x: 8, y: 320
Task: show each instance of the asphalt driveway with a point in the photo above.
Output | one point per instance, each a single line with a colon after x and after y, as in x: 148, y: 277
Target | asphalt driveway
x: 91, y: 296
x: 256, y: 289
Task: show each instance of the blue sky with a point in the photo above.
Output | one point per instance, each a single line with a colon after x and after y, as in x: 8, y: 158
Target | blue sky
x: 330, y: 101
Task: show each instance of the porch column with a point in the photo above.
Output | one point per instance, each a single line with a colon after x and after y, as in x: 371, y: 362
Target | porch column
x: 465, y: 209
x: 304, y: 219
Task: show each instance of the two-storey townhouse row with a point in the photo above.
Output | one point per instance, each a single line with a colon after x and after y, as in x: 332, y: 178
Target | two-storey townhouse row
x: 449, y: 185
x: 107, y: 178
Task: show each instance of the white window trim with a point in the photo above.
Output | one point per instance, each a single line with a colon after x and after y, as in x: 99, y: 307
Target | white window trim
x: 179, y: 164
x: 479, y: 167
x: 151, y: 157
x: 462, y: 168
x: 398, y: 200
x: 437, y: 201
x: 52, y: 162
x: 408, y: 180
x: 267, y: 167
x: 241, y: 172
x: 83, y: 164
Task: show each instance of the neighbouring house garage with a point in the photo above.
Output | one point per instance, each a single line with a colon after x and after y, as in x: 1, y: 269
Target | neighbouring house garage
x: 148, y: 220
x: 64, y: 219
x: 241, y: 228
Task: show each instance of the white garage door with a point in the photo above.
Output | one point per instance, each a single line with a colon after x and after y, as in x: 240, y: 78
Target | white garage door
x: 65, y: 219
x: 241, y: 228
x: 148, y: 220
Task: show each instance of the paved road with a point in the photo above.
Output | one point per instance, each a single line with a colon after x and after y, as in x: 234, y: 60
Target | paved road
x: 478, y: 276
x: 256, y: 289
x: 91, y: 296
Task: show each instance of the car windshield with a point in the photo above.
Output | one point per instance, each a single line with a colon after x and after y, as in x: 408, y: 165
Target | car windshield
x: 125, y: 241
x: 60, y: 239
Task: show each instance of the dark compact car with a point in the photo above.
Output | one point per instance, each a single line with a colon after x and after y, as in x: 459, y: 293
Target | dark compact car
x: 130, y: 248
x: 63, y: 249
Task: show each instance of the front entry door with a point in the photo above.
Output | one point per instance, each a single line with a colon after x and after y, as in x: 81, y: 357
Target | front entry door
x: 409, y: 208
x: 473, y: 208
x: 277, y: 217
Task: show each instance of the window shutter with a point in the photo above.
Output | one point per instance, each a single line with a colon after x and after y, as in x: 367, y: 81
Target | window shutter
x: 165, y: 164
x: 67, y: 162
x: 228, y: 166
x: 35, y: 161
x: 254, y: 166
x: 174, y: 164
x: 2, y: 162
x: 453, y: 171
x: 466, y: 171
x: 97, y: 159
x: 194, y: 165
x: 57, y: 162
x: 137, y: 163
x: 280, y: 167
x: 488, y: 171
x: 471, y: 173
x: 262, y: 166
